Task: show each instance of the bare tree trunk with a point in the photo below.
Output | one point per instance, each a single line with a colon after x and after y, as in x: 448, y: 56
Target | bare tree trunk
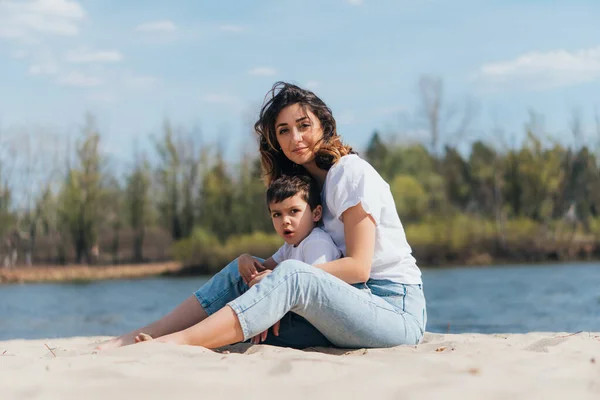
x: 138, y: 246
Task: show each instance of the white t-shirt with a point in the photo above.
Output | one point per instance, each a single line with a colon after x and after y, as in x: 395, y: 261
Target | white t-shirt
x: 317, y: 248
x: 350, y: 181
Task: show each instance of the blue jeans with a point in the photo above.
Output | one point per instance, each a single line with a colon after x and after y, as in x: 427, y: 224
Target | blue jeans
x: 318, y: 309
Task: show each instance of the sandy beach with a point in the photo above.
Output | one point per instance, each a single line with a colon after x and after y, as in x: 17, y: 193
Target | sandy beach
x: 79, y: 273
x: 444, y: 366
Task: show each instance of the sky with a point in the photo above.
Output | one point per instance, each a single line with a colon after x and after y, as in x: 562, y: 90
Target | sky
x: 207, y: 65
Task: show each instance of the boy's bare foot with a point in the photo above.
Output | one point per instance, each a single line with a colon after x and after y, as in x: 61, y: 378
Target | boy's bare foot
x: 143, y: 337
x: 120, y: 341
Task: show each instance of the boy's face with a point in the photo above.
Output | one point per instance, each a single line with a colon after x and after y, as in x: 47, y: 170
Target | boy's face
x: 293, y: 219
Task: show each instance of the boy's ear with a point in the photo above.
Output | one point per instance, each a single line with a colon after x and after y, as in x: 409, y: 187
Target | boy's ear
x: 317, y: 213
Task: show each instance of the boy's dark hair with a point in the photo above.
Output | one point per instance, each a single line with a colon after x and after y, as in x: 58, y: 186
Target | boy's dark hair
x: 288, y: 186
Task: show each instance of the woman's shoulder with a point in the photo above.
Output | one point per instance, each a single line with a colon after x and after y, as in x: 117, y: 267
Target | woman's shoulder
x: 349, y: 161
x: 351, y: 167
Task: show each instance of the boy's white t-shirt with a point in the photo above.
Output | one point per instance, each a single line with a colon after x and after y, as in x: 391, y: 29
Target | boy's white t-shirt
x: 351, y: 181
x: 317, y: 248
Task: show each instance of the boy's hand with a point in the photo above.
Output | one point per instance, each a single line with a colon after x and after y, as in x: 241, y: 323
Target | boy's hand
x: 249, y: 267
x: 259, y: 277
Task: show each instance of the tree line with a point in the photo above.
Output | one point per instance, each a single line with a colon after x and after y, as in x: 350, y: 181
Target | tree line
x: 477, y: 203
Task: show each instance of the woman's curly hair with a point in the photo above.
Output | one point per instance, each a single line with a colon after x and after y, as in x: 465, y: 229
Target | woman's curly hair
x: 273, y: 161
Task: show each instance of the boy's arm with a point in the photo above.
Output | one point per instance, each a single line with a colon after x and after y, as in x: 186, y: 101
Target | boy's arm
x: 270, y: 263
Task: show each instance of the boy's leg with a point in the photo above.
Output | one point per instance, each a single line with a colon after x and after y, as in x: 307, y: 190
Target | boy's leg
x: 222, y: 288
x: 225, y: 286
x: 297, y: 333
x: 186, y: 314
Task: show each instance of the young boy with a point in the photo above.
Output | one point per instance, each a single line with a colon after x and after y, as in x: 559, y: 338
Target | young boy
x: 295, y: 206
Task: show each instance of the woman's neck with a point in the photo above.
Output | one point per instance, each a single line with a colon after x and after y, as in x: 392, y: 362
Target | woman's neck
x: 317, y: 173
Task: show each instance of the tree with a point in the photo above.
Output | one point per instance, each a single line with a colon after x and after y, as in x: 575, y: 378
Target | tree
x: 138, y: 203
x: 410, y: 197
x: 443, y: 121
x: 457, y: 178
x: 80, y: 196
x: 483, y: 171
x: 542, y: 176
x: 376, y: 154
x: 249, y: 205
x: 216, y: 200
x: 178, y: 176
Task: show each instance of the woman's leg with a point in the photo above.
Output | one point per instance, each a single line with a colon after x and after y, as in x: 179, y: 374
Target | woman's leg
x: 347, y: 316
x: 212, y: 296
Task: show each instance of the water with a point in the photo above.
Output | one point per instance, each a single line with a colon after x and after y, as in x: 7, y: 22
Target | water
x: 506, y: 299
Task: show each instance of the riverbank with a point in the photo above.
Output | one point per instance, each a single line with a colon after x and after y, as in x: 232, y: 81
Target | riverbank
x: 84, y: 273
x: 463, y: 366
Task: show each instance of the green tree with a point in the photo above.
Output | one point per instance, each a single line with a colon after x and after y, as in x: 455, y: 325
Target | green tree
x: 249, y: 204
x: 138, y: 204
x: 457, y: 178
x: 376, y: 154
x: 542, y: 176
x: 80, y: 196
x: 7, y: 217
x: 217, y: 194
x: 412, y: 202
x: 178, y: 176
x: 483, y: 167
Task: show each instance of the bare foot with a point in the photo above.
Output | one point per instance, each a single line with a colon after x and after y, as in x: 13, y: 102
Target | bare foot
x: 116, y: 342
x: 143, y: 337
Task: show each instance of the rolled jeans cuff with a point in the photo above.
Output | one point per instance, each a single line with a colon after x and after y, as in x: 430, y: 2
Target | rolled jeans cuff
x: 240, y: 314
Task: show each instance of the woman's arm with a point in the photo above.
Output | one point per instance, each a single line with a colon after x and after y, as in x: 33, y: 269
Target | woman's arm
x: 359, y: 233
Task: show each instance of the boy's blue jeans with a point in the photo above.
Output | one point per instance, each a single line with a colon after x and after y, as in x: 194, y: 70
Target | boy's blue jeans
x: 318, y: 309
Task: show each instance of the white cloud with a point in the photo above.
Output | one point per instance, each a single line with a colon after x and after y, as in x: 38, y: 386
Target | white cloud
x: 20, y: 54
x: 102, y: 97
x: 28, y: 20
x: 139, y: 81
x: 84, y: 55
x: 540, y: 70
x: 216, y: 98
x: 43, y: 62
x: 263, y: 71
x: 157, y: 26
x: 80, y: 79
x: 231, y: 28
x: 43, y: 69
x: 60, y: 8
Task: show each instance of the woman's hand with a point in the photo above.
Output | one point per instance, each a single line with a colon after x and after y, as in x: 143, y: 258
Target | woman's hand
x: 249, y: 267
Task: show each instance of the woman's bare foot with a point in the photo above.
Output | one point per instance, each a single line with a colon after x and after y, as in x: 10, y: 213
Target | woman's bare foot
x: 143, y: 337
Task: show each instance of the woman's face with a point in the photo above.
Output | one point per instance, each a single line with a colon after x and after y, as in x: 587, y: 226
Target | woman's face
x: 299, y: 133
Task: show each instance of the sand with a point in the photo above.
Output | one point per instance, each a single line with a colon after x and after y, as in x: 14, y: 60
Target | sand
x: 85, y: 273
x: 452, y: 366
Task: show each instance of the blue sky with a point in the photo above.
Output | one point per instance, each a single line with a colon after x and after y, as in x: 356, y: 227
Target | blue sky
x: 208, y: 64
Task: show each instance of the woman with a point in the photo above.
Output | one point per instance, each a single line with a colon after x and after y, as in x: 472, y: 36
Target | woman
x: 372, y: 297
